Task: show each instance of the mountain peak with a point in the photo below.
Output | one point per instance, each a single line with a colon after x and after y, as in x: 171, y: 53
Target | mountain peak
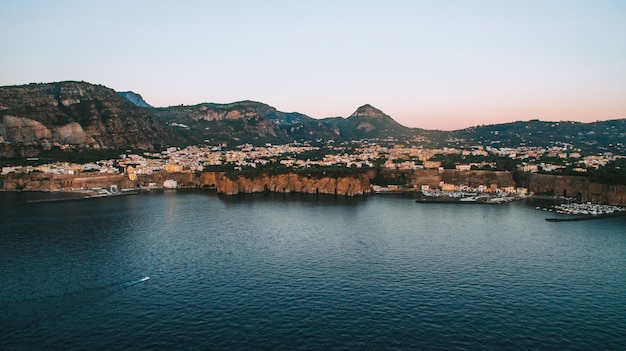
x: 368, y: 110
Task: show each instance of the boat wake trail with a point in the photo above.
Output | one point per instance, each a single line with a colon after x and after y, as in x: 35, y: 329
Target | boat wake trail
x: 133, y: 282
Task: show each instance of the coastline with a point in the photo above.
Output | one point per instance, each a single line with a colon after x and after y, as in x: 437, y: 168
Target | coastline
x: 222, y: 183
x: 73, y: 195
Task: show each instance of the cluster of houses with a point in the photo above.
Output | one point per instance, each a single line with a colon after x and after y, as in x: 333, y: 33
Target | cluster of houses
x: 359, y: 154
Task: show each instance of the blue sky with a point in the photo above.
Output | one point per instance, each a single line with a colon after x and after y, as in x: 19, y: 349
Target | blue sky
x: 429, y: 64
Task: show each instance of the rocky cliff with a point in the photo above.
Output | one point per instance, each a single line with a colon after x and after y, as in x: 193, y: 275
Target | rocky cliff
x: 41, y: 181
x: 281, y: 183
x: 577, y: 187
x: 77, y: 113
x: 433, y: 178
x: 134, y: 98
x: 287, y: 183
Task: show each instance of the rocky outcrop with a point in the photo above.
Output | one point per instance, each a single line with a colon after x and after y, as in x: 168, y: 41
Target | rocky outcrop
x: 27, y: 131
x: 15, y: 129
x: 77, y: 113
x: 209, y: 113
x: 135, y: 98
x: 73, y: 133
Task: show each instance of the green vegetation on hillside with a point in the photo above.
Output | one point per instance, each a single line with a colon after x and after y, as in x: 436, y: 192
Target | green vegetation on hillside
x: 612, y: 173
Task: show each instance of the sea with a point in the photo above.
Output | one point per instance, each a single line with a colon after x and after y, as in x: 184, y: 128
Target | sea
x: 194, y: 270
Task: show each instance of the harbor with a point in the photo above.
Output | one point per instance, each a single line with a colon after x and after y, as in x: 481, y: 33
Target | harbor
x: 583, y: 211
x: 462, y: 197
x: 80, y: 194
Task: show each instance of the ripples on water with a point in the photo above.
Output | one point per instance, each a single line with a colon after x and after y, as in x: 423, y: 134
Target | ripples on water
x: 305, y: 272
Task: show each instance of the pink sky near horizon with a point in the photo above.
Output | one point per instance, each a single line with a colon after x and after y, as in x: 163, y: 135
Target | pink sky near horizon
x: 447, y: 64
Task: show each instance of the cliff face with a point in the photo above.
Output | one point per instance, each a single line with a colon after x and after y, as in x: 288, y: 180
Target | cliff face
x: 40, y: 181
x: 577, y: 187
x: 207, y: 113
x: 76, y: 113
x: 287, y: 183
x: 134, y: 98
x: 433, y: 177
x: 281, y: 183
x: 22, y: 130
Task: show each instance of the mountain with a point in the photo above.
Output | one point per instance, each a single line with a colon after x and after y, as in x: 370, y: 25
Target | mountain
x: 368, y: 111
x: 242, y: 122
x: 602, y: 136
x: 75, y: 113
x: 79, y: 115
x: 134, y: 98
x: 369, y: 122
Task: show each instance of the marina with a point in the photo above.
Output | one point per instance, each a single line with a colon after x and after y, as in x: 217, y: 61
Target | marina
x: 588, y: 209
x: 461, y: 197
x: 574, y: 212
x: 583, y: 212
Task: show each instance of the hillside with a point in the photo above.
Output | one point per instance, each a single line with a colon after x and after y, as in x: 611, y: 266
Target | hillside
x: 369, y: 122
x: 605, y: 136
x: 79, y: 115
x: 242, y: 122
x: 75, y: 113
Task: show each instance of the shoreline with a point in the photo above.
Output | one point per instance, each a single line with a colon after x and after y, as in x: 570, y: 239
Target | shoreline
x: 91, y: 194
x: 79, y: 195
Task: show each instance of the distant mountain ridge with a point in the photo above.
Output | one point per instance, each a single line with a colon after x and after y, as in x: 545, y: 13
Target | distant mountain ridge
x: 39, y: 116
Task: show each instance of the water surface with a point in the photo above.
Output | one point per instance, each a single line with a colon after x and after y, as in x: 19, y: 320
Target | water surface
x: 305, y: 272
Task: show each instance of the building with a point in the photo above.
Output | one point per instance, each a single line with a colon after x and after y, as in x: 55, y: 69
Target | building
x: 170, y: 184
x: 432, y: 164
x: 173, y: 168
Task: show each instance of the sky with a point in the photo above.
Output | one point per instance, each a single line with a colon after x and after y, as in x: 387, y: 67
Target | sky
x: 428, y: 64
